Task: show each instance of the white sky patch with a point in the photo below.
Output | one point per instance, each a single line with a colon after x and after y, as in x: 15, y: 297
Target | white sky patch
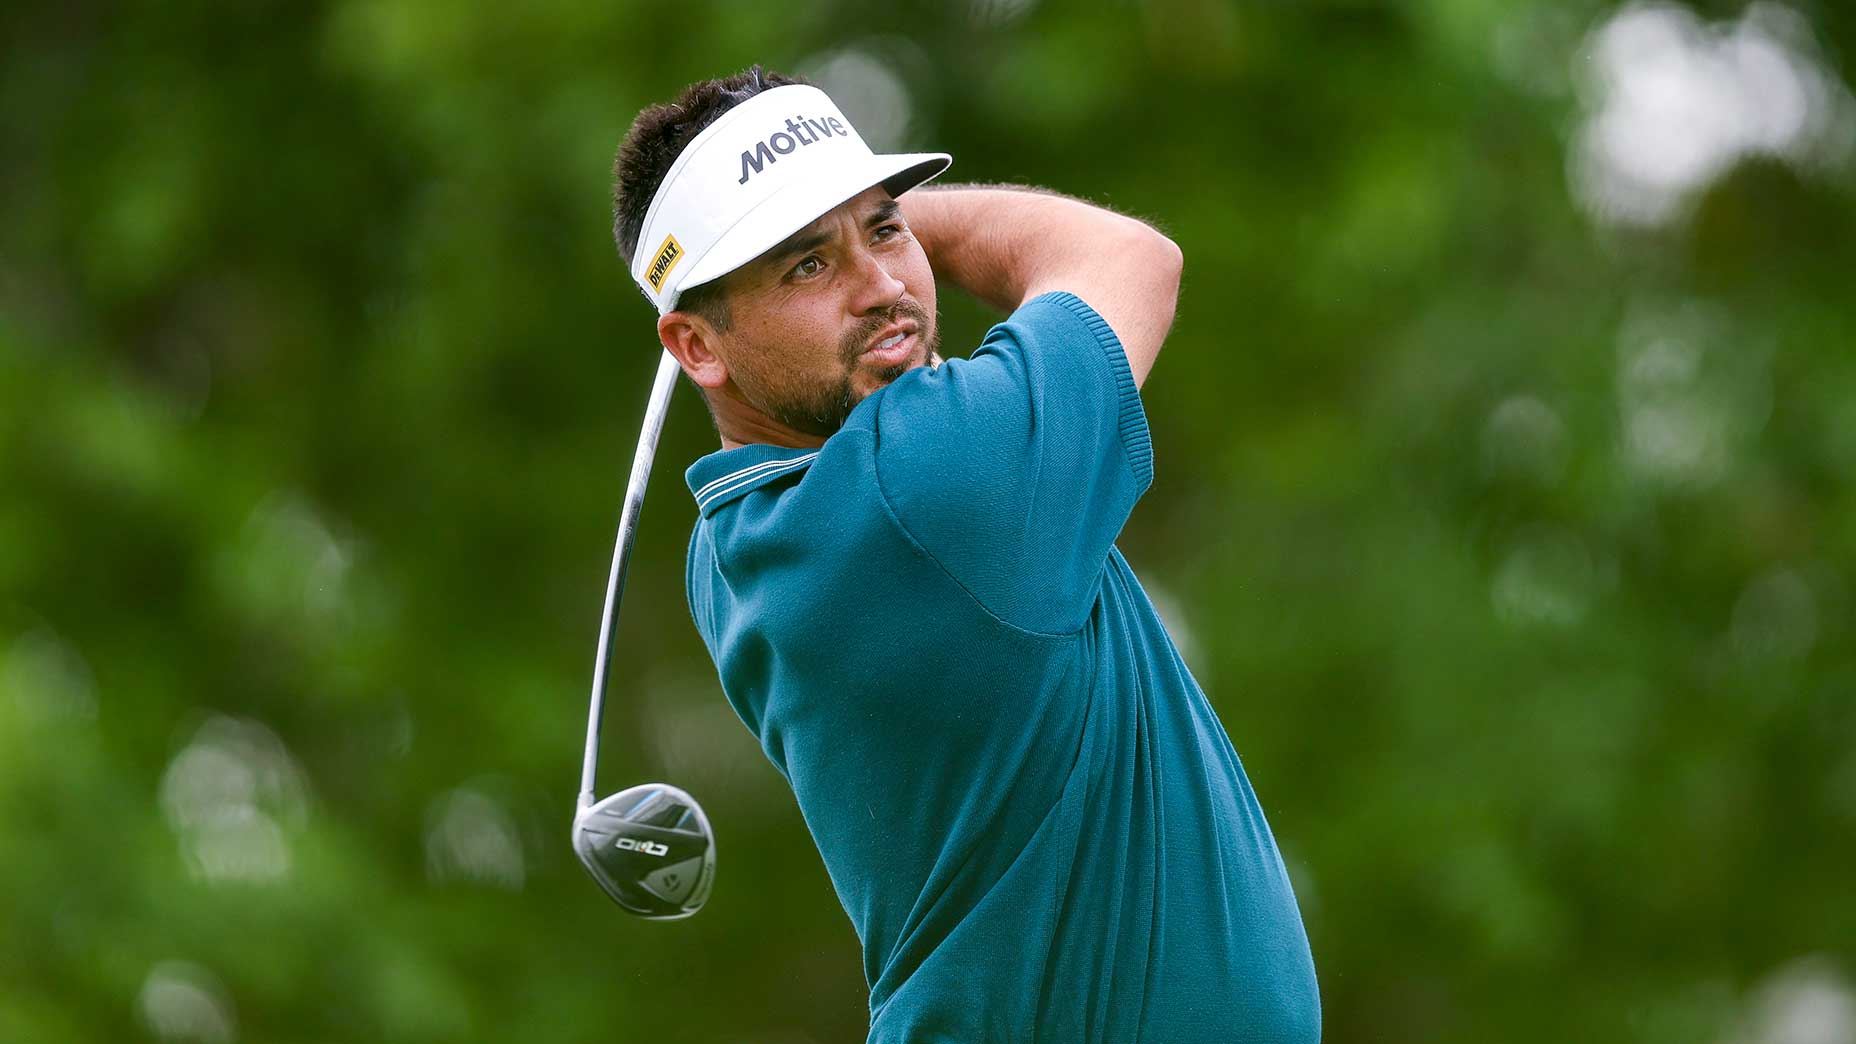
x: 229, y: 797
x: 1674, y: 103
x: 1809, y: 1001
x: 182, y: 1001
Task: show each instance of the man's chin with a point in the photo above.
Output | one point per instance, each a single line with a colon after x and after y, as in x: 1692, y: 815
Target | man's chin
x: 870, y: 377
x: 881, y: 376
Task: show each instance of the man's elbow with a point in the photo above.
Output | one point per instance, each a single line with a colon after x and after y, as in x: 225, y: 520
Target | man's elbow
x: 1164, y: 262
x: 1175, y: 259
x: 1168, y: 261
x: 1151, y: 294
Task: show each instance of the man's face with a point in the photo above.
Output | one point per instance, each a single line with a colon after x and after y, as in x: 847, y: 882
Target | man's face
x: 808, y: 316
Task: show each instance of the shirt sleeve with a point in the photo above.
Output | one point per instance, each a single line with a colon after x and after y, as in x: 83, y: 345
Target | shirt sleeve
x: 1016, y: 469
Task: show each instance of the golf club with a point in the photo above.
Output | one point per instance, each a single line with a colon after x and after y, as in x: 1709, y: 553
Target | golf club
x: 648, y: 846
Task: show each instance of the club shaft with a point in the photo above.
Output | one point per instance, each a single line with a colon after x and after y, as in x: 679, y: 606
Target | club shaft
x: 621, y: 556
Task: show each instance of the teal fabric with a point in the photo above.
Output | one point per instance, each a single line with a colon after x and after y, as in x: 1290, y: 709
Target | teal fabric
x: 1034, y: 819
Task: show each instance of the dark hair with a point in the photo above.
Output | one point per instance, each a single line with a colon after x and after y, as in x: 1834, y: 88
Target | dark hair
x: 657, y: 136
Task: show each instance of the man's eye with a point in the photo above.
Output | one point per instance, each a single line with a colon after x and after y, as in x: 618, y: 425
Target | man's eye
x: 809, y: 266
x: 889, y: 231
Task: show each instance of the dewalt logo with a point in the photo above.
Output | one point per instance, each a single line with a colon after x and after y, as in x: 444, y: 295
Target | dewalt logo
x: 667, y: 257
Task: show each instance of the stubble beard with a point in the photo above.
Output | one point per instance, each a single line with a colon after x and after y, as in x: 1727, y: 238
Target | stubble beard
x: 822, y: 410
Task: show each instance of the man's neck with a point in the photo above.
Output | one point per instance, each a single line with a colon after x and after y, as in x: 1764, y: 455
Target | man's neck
x: 740, y: 424
x: 811, y: 442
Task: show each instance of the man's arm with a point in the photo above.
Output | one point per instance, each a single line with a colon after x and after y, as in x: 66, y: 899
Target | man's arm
x: 1006, y: 245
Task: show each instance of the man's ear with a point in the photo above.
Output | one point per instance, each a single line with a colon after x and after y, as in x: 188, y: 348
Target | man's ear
x: 692, y: 340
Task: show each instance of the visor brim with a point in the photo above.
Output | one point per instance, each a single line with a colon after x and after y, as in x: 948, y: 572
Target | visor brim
x: 800, y: 204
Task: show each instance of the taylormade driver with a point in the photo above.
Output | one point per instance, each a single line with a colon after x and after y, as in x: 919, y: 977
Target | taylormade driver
x: 649, y: 847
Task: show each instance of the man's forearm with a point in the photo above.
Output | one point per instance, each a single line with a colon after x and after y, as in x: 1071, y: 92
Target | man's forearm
x: 996, y: 241
x: 1005, y: 244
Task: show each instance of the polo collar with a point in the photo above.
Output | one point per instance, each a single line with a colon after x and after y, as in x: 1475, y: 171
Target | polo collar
x: 726, y: 474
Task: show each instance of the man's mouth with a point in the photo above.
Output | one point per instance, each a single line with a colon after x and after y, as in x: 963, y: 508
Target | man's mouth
x: 892, y: 349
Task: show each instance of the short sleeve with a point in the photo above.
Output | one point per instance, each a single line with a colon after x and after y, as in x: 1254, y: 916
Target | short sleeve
x: 1016, y: 469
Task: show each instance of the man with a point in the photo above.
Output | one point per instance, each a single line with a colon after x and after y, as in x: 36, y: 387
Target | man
x: 905, y: 571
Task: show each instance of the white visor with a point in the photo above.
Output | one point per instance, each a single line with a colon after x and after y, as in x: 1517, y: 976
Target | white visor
x: 766, y: 169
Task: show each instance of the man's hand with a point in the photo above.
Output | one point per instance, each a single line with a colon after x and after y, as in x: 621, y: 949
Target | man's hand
x: 1006, y: 245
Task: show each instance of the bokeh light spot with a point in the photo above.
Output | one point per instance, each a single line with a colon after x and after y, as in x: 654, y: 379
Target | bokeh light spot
x: 182, y: 1001
x: 1776, y: 617
x: 869, y: 90
x: 1547, y: 578
x: 228, y: 796
x: 1524, y: 438
x: 1809, y: 1001
x: 48, y: 679
x: 1674, y: 103
x: 471, y: 837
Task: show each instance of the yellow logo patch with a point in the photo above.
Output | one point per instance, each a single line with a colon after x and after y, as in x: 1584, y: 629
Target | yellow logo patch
x: 667, y: 257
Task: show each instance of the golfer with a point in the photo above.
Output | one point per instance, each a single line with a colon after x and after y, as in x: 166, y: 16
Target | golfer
x: 905, y: 569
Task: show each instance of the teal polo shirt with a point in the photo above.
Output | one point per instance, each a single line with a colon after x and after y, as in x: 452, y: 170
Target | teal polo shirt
x: 1032, y: 815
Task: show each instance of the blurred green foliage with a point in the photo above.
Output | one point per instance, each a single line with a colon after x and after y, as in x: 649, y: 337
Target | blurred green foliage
x: 1512, y: 539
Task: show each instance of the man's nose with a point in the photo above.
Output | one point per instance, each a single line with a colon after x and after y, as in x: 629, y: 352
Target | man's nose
x: 876, y: 287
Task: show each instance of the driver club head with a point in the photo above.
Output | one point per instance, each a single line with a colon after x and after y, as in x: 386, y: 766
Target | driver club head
x: 650, y: 848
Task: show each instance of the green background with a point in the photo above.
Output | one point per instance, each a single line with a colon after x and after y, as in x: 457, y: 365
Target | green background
x: 1503, y: 506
